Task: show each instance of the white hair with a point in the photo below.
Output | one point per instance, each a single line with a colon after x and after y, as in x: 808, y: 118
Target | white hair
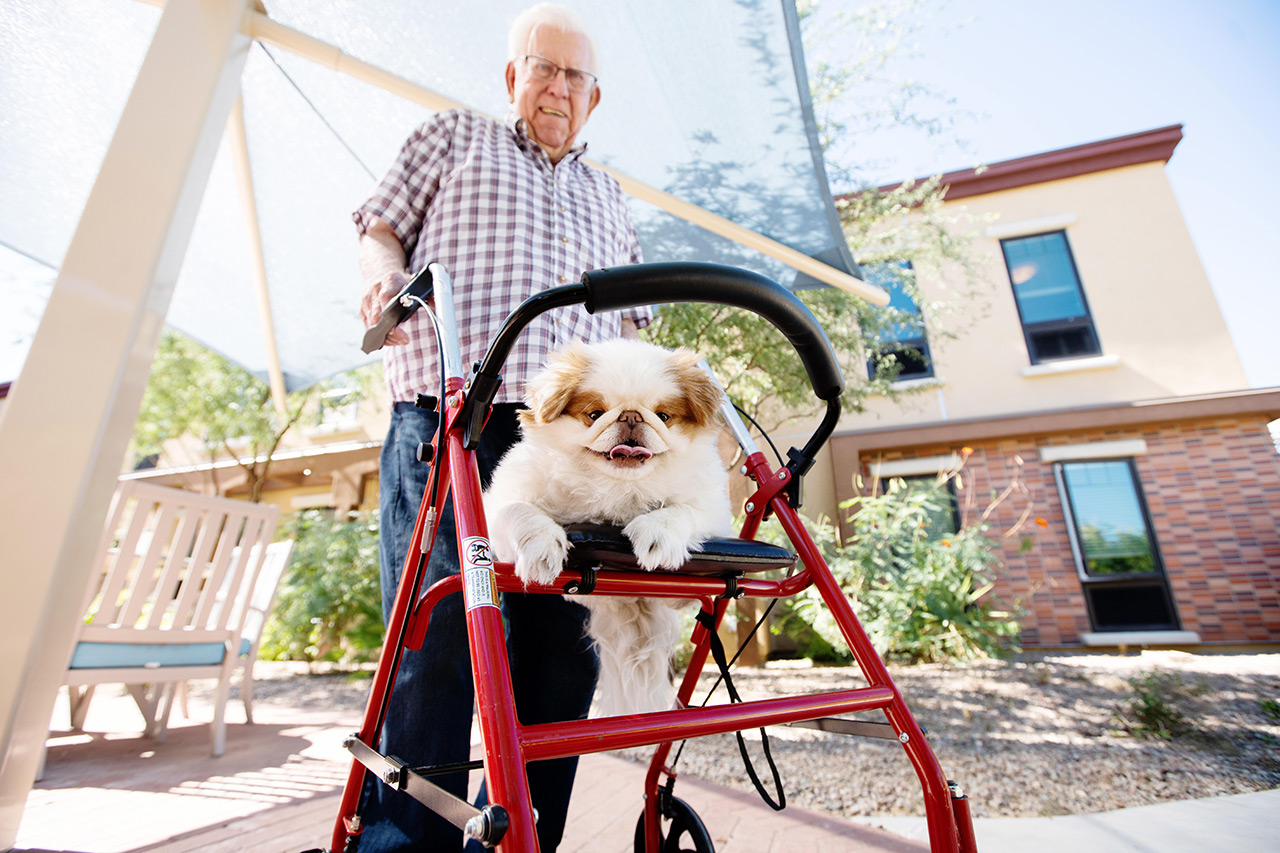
x: 550, y: 15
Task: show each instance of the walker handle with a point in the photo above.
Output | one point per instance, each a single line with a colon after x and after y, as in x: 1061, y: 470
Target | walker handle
x: 654, y: 284
x: 400, y: 308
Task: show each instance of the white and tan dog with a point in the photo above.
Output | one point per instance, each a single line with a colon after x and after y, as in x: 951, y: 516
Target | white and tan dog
x: 621, y: 433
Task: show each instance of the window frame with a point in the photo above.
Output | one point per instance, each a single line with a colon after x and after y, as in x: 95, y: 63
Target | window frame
x: 1062, y: 324
x: 913, y: 349
x: 1073, y: 524
x: 1093, y: 586
x: 947, y: 488
x: 919, y: 344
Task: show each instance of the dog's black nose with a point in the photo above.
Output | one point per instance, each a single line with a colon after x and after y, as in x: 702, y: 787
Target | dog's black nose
x: 631, y: 419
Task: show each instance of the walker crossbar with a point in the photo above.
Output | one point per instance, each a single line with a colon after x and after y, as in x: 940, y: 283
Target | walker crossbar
x: 507, y: 744
x: 581, y: 737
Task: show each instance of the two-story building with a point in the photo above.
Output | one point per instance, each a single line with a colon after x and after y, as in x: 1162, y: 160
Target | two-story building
x: 1102, y: 378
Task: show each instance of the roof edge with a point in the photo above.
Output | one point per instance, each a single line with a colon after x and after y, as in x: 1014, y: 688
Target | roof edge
x: 1148, y: 146
x: 1253, y: 401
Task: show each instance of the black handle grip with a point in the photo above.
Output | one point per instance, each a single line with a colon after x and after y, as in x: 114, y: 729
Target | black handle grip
x: 653, y: 284
x: 396, y: 312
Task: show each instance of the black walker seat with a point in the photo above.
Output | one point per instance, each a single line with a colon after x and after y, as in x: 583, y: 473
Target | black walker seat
x: 603, y: 546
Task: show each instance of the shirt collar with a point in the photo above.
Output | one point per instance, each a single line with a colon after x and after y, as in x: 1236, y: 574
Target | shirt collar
x: 516, y: 124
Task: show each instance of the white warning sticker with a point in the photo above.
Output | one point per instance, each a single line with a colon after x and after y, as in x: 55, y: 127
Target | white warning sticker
x: 478, y: 581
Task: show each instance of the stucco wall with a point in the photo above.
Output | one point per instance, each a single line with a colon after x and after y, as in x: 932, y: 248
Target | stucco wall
x: 1153, y: 308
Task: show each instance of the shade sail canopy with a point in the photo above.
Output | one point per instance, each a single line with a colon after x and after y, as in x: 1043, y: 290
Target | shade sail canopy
x: 706, y: 101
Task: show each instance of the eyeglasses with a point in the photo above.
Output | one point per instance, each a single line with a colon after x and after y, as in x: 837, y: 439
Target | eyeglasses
x: 546, y: 70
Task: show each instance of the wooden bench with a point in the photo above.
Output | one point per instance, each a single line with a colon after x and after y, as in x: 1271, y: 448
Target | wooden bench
x: 174, y: 599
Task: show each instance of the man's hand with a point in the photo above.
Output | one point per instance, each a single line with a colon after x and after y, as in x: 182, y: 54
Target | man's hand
x: 375, y: 299
x: 382, y: 264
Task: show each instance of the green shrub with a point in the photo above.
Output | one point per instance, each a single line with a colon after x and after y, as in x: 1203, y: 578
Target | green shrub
x: 921, y: 597
x: 1152, y: 712
x: 329, y: 603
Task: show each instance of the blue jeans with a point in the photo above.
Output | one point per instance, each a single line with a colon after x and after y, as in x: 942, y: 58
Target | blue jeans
x: 553, y: 666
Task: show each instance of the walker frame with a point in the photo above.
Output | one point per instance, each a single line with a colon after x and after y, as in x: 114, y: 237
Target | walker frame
x: 508, y: 821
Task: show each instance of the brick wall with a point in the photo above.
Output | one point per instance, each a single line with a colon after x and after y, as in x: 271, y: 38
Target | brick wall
x: 1213, y: 492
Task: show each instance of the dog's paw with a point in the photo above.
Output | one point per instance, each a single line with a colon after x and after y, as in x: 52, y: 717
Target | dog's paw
x: 531, y: 540
x: 540, y: 553
x: 655, y: 545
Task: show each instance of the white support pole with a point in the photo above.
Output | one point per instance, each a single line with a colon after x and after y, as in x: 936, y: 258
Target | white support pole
x: 66, y: 424
x: 239, y: 140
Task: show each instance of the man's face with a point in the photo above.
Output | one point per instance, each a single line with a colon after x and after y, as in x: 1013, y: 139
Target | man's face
x: 553, y: 114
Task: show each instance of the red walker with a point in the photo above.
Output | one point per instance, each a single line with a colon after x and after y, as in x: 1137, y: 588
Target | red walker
x: 599, y: 564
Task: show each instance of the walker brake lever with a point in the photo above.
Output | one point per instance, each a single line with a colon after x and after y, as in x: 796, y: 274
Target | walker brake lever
x: 399, y: 309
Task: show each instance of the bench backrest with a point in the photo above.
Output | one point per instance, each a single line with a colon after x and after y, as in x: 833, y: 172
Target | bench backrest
x: 173, y: 560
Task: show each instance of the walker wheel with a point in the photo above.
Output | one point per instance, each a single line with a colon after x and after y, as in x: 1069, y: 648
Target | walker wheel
x: 686, y: 829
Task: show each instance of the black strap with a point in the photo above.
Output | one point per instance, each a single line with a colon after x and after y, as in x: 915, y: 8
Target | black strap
x: 708, y: 621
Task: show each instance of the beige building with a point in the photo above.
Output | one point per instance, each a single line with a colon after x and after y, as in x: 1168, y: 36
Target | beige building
x: 1108, y: 210
x: 1102, y: 378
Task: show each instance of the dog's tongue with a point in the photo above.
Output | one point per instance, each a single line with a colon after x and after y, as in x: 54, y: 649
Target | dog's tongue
x: 628, y: 450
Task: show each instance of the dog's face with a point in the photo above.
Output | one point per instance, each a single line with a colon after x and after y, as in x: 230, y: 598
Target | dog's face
x: 624, y: 406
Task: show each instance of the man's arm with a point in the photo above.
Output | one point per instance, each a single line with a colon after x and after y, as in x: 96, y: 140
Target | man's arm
x: 629, y: 329
x: 382, y: 264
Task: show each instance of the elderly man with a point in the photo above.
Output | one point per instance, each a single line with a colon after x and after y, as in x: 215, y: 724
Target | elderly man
x: 509, y: 209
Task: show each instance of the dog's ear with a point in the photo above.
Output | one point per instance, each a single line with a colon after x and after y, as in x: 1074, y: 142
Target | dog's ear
x: 698, y: 388
x: 550, y: 391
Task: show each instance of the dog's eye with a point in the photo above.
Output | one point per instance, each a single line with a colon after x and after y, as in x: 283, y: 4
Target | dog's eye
x: 663, y: 416
x: 595, y: 415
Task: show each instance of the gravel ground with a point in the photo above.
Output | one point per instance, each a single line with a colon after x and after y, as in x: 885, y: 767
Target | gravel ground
x: 1039, y: 736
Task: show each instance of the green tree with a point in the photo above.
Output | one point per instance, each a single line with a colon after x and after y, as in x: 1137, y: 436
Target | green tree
x: 860, y: 83
x: 195, y: 392
x: 759, y: 369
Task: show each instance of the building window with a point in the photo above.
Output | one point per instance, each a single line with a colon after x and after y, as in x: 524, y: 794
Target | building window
x: 942, y: 510
x: 902, y: 349
x: 1051, y: 304
x: 1116, y: 553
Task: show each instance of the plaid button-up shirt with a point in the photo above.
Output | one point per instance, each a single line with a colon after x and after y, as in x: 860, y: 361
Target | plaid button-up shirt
x: 485, y: 201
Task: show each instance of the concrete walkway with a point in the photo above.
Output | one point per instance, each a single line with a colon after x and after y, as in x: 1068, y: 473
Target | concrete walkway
x: 1243, y: 823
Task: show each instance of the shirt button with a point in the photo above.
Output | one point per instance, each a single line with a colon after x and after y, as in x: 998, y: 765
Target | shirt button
x: 564, y: 239
x: 562, y: 278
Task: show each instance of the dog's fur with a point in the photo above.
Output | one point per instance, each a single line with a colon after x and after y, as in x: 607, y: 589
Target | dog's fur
x: 622, y: 433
